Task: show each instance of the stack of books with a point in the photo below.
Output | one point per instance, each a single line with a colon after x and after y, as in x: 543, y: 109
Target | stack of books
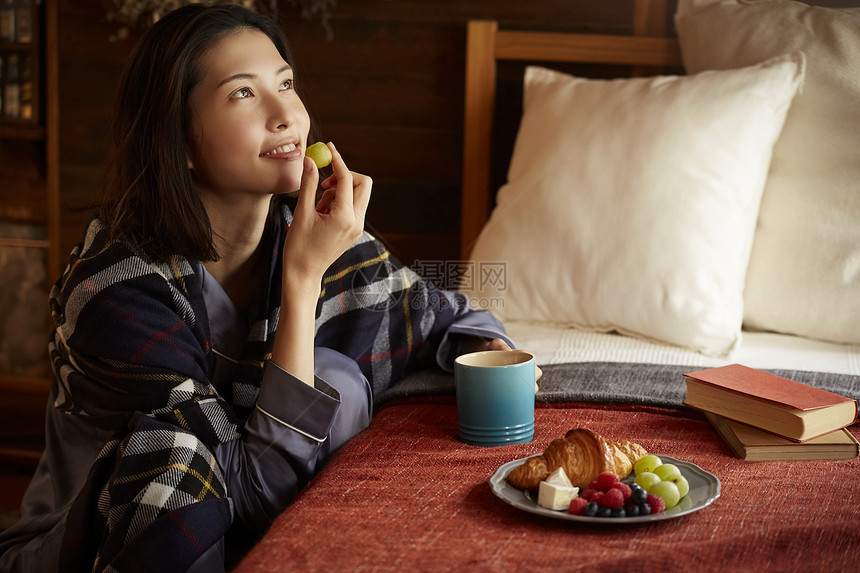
x: 762, y: 416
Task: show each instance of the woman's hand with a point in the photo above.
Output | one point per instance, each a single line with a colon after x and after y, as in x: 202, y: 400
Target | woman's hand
x: 479, y: 345
x: 322, y: 231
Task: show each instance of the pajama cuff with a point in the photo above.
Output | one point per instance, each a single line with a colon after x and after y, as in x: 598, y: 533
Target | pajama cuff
x: 287, y: 400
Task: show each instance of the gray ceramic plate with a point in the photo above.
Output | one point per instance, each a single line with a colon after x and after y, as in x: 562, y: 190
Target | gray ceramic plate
x: 704, y: 489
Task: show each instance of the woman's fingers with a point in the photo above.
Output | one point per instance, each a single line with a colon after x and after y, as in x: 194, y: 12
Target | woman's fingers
x: 352, y: 189
x: 307, y: 187
x: 362, y: 185
x: 324, y: 204
x: 343, y: 175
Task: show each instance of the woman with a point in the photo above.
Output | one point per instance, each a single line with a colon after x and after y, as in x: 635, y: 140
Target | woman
x: 220, y: 331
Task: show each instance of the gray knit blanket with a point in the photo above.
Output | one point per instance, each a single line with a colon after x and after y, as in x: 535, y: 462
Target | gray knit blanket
x: 611, y: 383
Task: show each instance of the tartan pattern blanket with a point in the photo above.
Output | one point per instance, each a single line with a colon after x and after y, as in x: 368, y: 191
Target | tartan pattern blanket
x: 131, y: 353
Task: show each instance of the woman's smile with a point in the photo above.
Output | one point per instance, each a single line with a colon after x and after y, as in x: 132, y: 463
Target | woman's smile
x: 286, y: 151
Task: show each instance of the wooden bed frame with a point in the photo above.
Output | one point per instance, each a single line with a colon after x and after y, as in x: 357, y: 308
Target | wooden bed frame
x: 649, y: 51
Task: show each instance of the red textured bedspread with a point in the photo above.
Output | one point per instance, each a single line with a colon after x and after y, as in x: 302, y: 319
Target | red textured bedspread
x: 406, y: 494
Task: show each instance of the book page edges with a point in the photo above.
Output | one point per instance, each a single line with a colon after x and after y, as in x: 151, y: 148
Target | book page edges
x: 800, y: 413
x: 744, y: 442
x: 755, y: 437
x: 803, y: 438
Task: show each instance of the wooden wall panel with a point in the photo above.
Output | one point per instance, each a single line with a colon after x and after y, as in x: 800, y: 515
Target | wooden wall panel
x: 386, y: 85
x: 89, y: 69
x: 22, y: 182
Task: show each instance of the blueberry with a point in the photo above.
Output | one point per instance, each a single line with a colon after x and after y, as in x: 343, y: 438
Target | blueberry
x: 638, y: 495
x: 618, y: 512
x: 590, y: 509
x: 644, y: 509
x: 632, y: 510
x: 604, y: 512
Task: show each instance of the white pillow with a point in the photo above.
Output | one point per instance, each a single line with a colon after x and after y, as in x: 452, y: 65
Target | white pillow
x: 630, y: 204
x: 804, y: 271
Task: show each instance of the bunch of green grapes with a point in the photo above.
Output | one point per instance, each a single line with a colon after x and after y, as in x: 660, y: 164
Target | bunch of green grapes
x: 663, y: 480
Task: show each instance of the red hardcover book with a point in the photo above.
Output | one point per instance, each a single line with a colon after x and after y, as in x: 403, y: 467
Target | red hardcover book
x: 784, y: 407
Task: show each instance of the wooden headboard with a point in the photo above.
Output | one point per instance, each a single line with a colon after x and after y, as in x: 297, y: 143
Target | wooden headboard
x: 648, y: 50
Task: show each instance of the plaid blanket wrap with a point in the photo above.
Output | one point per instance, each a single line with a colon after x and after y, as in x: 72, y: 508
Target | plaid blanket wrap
x: 131, y: 353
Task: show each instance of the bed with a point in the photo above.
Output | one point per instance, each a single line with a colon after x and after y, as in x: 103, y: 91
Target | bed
x: 769, y: 278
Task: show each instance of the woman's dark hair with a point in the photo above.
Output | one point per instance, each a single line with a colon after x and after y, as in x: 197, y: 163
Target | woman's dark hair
x: 151, y: 202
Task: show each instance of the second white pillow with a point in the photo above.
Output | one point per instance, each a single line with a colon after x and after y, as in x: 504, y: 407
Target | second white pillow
x: 630, y: 204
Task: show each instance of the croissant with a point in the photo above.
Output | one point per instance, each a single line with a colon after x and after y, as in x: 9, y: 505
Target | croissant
x: 583, y: 455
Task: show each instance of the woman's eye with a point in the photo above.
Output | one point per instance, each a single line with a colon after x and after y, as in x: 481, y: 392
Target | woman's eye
x: 242, y: 93
x: 287, y: 84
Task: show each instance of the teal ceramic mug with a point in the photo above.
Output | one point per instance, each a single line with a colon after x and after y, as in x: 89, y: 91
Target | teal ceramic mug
x: 495, y: 397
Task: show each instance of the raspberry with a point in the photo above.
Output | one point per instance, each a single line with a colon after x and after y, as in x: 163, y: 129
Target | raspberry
x: 612, y: 498
x: 577, y: 506
x: 625, y: 489
x: 657, y: 504
x: 593, y: 485
x: 588, y: 494
x: 606, y: 480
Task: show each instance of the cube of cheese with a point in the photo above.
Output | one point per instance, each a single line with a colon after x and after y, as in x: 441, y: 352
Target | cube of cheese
x: 552, y: 496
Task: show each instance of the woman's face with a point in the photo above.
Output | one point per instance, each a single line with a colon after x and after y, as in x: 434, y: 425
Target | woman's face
x: 249, y: 128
